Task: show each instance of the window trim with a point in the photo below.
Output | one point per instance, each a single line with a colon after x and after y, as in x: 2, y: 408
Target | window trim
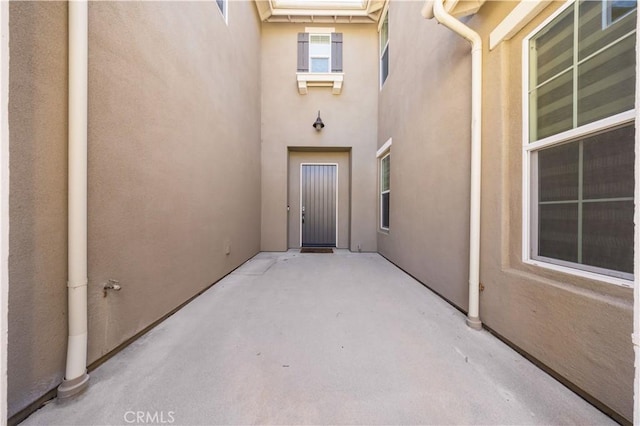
x: 327, y: 57
x: 528, y: 148
x: 381, y: 154
x: 607, y: 20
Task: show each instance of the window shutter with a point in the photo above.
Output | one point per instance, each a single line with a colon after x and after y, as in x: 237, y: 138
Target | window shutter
x: 303, y: 52
x: 336, y: 52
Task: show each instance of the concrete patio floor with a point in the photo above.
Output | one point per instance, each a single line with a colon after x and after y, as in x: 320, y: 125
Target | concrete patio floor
x: 344, y: 338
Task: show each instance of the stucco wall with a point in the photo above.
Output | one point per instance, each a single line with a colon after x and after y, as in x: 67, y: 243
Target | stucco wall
x: 579, y: 328
x: 424, y: 107
x: 174, y: 169
x: 287, y: 119
x: 37, y: 199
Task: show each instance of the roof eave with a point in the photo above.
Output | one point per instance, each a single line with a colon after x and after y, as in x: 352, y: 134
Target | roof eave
x: 369, y: 13
x: 457, y: 8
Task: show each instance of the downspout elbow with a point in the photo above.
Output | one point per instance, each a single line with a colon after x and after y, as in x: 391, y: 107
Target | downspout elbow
x: 449, y: 21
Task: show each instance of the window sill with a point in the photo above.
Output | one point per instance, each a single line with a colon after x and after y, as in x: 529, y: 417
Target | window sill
x: 314, y: 79
x: 580, y: 273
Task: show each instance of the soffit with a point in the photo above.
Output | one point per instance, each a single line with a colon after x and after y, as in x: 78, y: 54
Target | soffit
x: 321, y: 11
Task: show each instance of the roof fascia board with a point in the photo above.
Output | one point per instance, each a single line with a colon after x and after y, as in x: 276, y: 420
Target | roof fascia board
x: 264, y: 9
x: 385, y: 9
x: 376, y: 5
x: 365, y: 11
x: 320, y: 5
x: 520, y: 16
x: 318, y: 12
x: 456, y: 8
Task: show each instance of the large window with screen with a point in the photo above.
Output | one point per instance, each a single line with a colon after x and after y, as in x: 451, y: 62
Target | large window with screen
x: 580, y: 139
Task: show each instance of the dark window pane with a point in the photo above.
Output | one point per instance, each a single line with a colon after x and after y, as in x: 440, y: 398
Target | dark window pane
x: 607, y: 240
x: 596, y: 31
x: 384, y: 65
x: 384, y: 33
x: 554, y: 107
x: 221, y: 5
x: 558, y: 234
x: 608, y: 164
x: 620, y: 8
x: 385, y: 210
x: 606, y: 82
x: 558, y: 173
x: 386, y: 175
x: 552, y: 49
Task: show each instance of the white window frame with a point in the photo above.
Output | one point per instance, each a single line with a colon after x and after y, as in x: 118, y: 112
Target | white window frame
x: 383, y: 50
x: 327, y: 57
x: 606, y: 15
x: 224, y: 11
x: 529, y: 191
x: 383, y: 152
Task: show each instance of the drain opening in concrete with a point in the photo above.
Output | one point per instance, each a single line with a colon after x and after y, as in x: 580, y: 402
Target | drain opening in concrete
x: 315, y: 250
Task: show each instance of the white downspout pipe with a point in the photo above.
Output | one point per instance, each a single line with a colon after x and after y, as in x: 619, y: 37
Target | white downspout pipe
x: 442, y: 16
x: 76, y: 378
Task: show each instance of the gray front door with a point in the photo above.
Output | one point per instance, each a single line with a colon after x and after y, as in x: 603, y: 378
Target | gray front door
x: 318, y: 215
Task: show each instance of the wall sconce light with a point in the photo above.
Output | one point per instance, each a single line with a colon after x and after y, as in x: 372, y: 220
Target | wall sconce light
x: 318, y: 125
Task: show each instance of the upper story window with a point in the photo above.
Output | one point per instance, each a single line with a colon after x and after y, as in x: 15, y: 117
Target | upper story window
x: 319, y: 52
x: 320, y: 60
x: 579, y: 147
x: 384, y: 49
x: 223, y: 5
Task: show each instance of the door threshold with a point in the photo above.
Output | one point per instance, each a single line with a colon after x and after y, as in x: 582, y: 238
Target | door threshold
x: 325, y: 250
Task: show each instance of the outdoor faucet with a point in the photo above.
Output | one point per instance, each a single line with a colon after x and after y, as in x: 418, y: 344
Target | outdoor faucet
x: 111, y: 285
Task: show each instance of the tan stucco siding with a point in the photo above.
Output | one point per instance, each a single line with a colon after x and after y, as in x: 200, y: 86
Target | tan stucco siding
x: 287, y: 119
x: 193, y: 129
x: 578, y: 328
x: 424, y: 108
x: 174, y: 169
x: 37, y: 200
